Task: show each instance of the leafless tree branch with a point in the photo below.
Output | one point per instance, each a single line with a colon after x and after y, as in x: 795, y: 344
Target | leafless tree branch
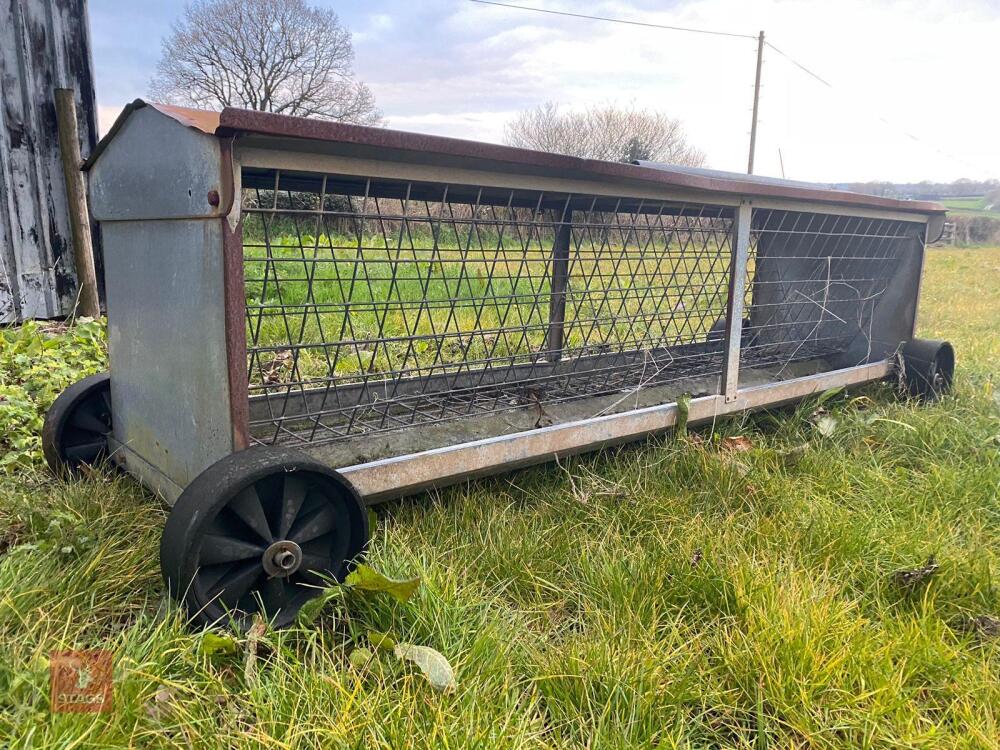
x: 604, y: 132
x: 280, y: 56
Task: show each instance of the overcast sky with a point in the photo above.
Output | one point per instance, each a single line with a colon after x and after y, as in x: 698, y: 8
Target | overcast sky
x: 914, y: 83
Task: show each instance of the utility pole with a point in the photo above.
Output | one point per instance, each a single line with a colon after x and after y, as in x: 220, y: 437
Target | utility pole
x: 756, y: 102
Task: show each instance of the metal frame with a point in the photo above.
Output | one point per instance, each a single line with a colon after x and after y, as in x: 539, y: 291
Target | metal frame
x: 166, y: 176
x: 737, y: 296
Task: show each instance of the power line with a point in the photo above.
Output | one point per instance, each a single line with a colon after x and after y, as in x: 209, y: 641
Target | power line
x: 811, y: 73
x: 875, y: 115
x: 800, y: 66
x: 615, y: 20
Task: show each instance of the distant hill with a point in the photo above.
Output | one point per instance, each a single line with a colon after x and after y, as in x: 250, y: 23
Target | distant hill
x: 936, y: 191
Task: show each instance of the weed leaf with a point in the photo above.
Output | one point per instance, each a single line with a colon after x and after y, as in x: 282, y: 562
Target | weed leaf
x: 828, y: 394
x: 360, y: 657
x: 212, y: 644
x: 683, y: 409
x: 827, y: 425
x: 368, y: 579
x: 382, y: 641
x: 312, y: 609
x: 432, y: 663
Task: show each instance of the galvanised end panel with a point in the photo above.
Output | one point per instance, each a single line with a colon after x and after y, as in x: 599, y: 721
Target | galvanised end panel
x: 167, y: 344
x: 157, y: 168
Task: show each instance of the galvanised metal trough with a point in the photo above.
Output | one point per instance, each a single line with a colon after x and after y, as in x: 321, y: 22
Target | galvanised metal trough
x: 305, y: 317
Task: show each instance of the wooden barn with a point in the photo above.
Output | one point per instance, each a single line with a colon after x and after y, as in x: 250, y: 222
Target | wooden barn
x: 44, y: 46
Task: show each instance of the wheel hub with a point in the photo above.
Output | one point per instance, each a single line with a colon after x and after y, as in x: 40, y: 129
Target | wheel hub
x: 282, y: 558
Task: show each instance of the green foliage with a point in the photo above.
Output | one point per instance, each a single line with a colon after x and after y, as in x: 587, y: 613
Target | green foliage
x: 683, y: 410
x: 213, y: 644
x: 37, y: 362
x: 365, y: 578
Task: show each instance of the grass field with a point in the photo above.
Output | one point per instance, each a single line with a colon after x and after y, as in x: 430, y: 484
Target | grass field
x: 680, y: 593
x: 969, y: 207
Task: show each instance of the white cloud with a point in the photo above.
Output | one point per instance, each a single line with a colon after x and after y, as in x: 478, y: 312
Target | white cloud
x: 920, y: 66
x: 462, y: 69
x: 486, y: 125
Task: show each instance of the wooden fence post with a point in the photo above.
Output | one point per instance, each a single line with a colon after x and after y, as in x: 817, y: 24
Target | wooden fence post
x: 88, y: 304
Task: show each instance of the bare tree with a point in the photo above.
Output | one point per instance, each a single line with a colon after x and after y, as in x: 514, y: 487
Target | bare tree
x: 279, y: 56
x: 604, y: 132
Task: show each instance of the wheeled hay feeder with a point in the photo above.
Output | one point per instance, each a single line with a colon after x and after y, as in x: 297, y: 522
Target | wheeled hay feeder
x: 304, y: 317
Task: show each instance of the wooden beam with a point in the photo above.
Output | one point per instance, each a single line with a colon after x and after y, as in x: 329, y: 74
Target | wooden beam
x: 87, y: 304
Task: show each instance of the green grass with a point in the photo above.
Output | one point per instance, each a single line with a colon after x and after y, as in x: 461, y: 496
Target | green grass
x: 670, y: 594
x: 457, y: 301
x: 969, y: 207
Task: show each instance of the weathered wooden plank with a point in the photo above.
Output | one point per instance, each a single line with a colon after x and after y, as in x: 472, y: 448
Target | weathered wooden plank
x: 43, y: 45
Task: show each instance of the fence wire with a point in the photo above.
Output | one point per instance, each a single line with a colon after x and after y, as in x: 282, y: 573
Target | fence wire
x: 376, y: 305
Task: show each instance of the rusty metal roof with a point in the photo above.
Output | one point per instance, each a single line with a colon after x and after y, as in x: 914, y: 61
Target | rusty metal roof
x: 232, y: 121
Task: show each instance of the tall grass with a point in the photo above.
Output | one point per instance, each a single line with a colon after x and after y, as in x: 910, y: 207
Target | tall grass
x: 677, y: 593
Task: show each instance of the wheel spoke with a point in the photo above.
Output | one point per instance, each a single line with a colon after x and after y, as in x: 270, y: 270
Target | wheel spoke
x: 83, y: 419
x: 235, y: 584
x: 274, y: 594
x: 85, y: 452
x: 316, y: 524
x: 223, y: 549
x: 247, y: 506
x: 292, y: 496
x: 317, y: 564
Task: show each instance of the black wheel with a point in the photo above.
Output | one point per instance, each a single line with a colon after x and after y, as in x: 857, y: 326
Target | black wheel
x: 260, y: 531
x: 78, y: 425
x: 928, y: 368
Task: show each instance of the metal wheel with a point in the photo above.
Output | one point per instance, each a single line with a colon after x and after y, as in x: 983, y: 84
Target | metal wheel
x: 257, y: 532
x: 77, y: 426
x: 929, y: 368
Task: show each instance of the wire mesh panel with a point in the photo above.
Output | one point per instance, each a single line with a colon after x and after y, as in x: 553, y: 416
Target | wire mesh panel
x: 376, y: 305
x: 815, y: 282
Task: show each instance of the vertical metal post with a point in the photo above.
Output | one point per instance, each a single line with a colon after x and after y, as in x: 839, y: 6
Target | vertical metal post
x: 560, y: 280
x: 756, y: 102
x: 737, y: 291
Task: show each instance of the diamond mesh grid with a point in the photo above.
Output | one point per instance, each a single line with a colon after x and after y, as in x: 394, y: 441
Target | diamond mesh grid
x: 375, y: 305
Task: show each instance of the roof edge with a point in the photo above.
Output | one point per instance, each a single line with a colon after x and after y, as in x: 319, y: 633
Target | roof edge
x: 203, y: 120
x: 233, y: 120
